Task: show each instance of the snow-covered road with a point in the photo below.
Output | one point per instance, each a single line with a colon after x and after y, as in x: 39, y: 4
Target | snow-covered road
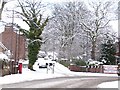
x: 63, y: 82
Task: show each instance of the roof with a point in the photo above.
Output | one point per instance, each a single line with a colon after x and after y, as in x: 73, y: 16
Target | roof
x: 3, y: 46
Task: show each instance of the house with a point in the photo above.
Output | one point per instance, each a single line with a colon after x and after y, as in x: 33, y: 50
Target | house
x: 3, y: 56
x: 13, y: 41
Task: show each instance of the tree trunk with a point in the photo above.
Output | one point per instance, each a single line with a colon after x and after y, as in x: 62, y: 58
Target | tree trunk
x: 30, y: 66
x: 93, y: 50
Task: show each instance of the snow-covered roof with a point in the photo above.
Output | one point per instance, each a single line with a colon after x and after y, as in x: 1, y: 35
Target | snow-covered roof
x: 3, y: 46
x: 95, y: 62
x: 3, y: 56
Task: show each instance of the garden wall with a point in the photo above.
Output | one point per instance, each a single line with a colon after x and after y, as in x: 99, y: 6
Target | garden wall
x: 77, y: 68
x: 108, y: 69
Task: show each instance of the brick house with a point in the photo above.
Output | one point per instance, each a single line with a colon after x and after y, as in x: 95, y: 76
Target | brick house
x: 14, y: 42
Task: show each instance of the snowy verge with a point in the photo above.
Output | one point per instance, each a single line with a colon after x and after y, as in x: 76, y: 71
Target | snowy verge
x: 27, y: 75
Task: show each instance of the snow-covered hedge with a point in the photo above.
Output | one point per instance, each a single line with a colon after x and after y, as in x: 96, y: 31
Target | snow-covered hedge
x: 47, y: 55
x: 3, y: 56
x: 94, y: 63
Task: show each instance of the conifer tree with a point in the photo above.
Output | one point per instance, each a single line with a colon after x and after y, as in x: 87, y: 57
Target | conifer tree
x: 108, y: 51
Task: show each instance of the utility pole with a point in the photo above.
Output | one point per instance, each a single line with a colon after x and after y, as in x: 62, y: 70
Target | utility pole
x: 18, y: 45
x: 15, y: 57
x: 11, y: 43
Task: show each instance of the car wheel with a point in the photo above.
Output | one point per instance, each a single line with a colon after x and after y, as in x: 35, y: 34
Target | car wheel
x: 118, y: 74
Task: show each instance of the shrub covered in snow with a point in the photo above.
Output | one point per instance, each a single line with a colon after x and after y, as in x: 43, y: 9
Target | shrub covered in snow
x: 3, y: 56
x: 41, y: 54
x: 94, y: 63
x: 48, y: 55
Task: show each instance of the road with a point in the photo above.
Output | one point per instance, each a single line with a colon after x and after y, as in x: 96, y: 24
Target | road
x: 63, y: 82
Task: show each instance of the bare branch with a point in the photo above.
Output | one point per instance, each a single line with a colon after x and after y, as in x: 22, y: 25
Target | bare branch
x: 2, y: 6
x: 105, y: 24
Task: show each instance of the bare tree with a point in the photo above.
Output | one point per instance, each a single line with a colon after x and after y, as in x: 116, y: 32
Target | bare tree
x: 78, y: 28
x: 96, y: 22
x: 66, y: 21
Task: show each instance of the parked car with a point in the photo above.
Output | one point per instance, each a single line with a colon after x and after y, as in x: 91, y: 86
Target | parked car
x: 118, y: 69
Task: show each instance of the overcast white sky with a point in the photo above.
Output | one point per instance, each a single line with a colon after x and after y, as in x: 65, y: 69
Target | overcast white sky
x: 11, y: 6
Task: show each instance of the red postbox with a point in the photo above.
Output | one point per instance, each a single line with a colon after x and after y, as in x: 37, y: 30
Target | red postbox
x: 20, y: 68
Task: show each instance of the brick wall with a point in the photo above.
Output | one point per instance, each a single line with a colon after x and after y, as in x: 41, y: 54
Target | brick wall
x: 77, y: 68
x: 95, y: 69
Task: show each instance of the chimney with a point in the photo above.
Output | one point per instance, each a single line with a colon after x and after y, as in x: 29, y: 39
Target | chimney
x: 8, y: 28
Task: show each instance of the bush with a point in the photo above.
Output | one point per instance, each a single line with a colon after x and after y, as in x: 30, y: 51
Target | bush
x: 80, y: 63
x: 65, y: 63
